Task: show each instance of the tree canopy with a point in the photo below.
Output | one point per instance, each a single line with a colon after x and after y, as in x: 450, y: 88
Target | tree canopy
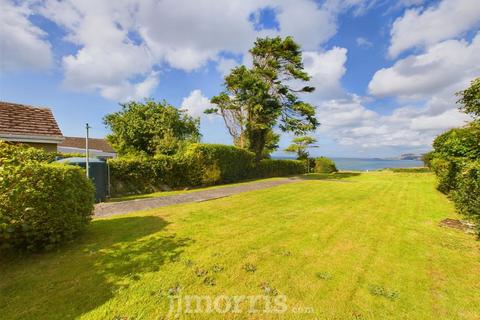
x: 300, y: 146
x: 470, y: 99
x: 150, y: 128
x: 257, y: 99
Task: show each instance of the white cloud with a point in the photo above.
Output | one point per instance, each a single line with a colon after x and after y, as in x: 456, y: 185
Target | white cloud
x: 224, y: 65
x: 350, y: 123
x: 196, y: 103
x: 127, y: 91
x: 22, y: 45
x: 327, y: 69
x: 420, y: 28
x: 443, y: 65
x: 363, y: 42
x: 121, y: 42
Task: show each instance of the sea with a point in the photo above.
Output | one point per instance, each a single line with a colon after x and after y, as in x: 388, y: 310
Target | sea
x: 369, y: 164
x: 359, y: 164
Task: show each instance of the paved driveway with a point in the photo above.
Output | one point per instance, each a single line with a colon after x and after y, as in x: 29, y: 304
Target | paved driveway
x: 113, y: 208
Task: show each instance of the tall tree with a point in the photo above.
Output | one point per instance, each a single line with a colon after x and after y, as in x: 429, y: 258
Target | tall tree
x: 470, y: 99
x: 150, y: 128
x: 257, y: 99
x: 300, y: 146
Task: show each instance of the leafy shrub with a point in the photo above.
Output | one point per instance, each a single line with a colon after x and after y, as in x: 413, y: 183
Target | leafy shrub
x: 467, y: 193
x: 446, y: 170
x: 200, y: 164
x: 459, y: 142
x: 217, y: 163
x: 427, y: 158
x: 148, y: 174
x: 12, y: 154
x: 268, y: 168
x: 42, y: 205
x: 325, y: 165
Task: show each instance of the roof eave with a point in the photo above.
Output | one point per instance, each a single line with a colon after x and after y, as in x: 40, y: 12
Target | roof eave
x: 31, y: 138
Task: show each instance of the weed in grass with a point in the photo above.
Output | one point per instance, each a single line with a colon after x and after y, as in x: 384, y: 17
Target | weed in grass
x: 324, y: 275
x: 381, y: 291
x: 175, y: 290
x: 217, y: 268
x: 201, y: 272
x: 189, y: 263
x: 209, y: 281
x: 249, y: 267
x: 268, y: 290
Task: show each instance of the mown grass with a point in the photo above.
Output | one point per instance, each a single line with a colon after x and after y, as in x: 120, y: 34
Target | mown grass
x: 356, y: 246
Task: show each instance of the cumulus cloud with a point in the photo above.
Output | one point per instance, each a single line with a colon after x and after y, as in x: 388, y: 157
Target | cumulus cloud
x: 22, y: 45
x: 224, y: 65
x: 350, y: 123
x: 121, y: 42
x: 196, y: 103
x: 448, y: 63
x: 326, y: 69
x: 420, y: 28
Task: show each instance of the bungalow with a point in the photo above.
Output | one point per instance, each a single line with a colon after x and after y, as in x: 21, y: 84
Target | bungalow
x: 29, y: 125
x: 99, y: 148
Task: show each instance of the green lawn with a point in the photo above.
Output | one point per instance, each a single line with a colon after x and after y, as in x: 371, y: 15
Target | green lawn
x: 356, y: 247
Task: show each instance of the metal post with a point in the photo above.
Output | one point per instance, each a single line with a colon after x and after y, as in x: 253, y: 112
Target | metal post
x: 87, y: 152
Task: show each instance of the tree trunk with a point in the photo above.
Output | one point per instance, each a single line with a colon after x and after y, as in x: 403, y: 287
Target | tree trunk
x: 257, y: 138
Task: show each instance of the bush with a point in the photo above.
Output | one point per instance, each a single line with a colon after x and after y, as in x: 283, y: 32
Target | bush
x: 427, y: 158
x: 200, y: 164
x: 268, y: 168
x: 42, y: 205
x: 148, y: 174
x: 447, y: 170
x: 467, y: 193
x: 325, y: 165
x: 217, y: 163
x: 11, y: 154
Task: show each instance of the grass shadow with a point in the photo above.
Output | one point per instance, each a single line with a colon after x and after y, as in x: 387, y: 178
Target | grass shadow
x: 80, y: 277
x: 329, y: 176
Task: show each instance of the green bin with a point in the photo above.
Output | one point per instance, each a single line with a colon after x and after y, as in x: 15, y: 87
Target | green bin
x: 98, y: 172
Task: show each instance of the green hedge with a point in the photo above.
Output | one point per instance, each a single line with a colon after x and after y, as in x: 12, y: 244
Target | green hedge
x: 199, y: 165
x: 325, y: 165
x: 268, y: 168
x: 42, y: 205
x: 466, y: 195
x: 144, y: 175
x: 217, y: 163
x: 447, y: 170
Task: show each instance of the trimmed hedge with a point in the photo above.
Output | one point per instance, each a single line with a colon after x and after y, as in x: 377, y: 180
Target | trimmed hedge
x: 447, y: 170
x: 42, y: 205
x: 325, y: 165
x: 199, y: 165
x: 466, y: 195
x: 217, y: 163
x: 268, y: 168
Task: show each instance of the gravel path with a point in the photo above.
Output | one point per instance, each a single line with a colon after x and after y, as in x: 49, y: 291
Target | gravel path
x: 108, y: 209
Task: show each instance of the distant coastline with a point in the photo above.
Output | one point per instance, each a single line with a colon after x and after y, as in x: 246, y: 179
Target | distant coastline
x: 369, y: 164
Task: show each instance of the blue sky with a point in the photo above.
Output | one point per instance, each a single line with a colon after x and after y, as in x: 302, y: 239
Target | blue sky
x: 385, y: 71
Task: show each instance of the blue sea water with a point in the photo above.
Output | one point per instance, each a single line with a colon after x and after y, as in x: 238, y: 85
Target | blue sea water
x: 369, y: 164
x: 373, y: 164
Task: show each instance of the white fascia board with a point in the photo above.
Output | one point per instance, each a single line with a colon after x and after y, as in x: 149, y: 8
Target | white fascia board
x: 31, y: 138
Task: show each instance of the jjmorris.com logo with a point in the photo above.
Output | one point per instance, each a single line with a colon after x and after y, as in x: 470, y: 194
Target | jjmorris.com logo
x: 222, y: 304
